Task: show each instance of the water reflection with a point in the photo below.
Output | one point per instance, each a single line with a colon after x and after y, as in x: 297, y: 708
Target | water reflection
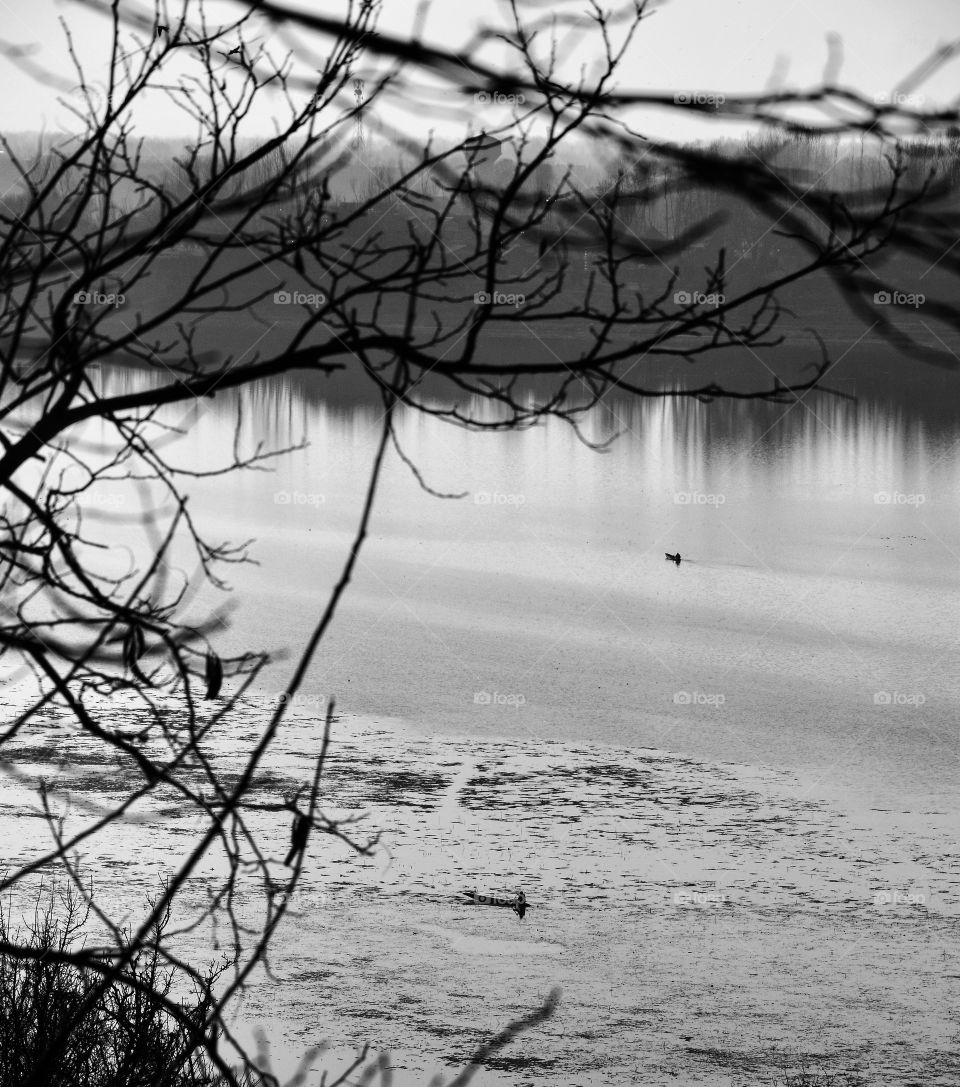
x: 729, y: 481
x: 284, y: 407
x: 820, y: 545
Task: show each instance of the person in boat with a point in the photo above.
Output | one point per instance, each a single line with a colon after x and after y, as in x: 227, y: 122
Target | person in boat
x: 214, y: 670
x: 674, y: 558
x: 518, y: 904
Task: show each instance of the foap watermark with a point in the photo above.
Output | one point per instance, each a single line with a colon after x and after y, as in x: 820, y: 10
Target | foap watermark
x: 105, y: 501
x: 312, y: 898
x: 898, y: 498
x: 498, y: 298
x: 178, y: 248
x: 698, y: 98
x: 698, y: 698
x: 898, y: 98
x: 697, y: 498
x: 298, y: 498
x: 898, y: 298
x: 498, y: 98
x: 298, y: 698
x: 498, y: 498
x: 899, y: 698
x: 497, y: 698
x: 298, y: 298
x: 708, y: 899
x: 698, y: 298
x: 900, y: 898
x: 96, y: 298
x: 302, y: 898
x: 94, y: 96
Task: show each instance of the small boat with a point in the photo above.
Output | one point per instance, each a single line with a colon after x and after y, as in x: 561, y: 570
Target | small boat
x: 673, y: 558
x: 518, y: 903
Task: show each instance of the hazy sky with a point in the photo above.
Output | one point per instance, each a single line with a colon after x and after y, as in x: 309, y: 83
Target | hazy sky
x: 711, y: 45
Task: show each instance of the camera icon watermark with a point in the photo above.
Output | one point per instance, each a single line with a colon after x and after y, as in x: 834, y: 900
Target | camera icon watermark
x: 698, y: 498
x: 498, y: 298
x: 698, y: 698
x: 298, y: 298
x: 899, y: 698
x: 298, y: 498
x: 96, y: 298
x: 898, y: 298
x: 698, y: 298
x: 496, y: 698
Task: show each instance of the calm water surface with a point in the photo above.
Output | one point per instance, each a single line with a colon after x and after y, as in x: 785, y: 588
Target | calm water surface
x: 729, y: 787
x: 811, y: 625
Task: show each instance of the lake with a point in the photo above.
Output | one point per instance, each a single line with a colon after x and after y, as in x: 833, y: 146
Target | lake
x: 728, y: 787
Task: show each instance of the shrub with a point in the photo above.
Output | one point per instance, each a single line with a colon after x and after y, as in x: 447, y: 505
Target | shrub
x: 57, y: 1030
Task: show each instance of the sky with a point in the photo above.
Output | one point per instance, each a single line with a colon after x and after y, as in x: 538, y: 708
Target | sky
x: 718, y: 46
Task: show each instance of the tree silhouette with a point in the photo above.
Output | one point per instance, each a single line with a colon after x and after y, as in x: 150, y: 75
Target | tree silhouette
x: 408, y: 292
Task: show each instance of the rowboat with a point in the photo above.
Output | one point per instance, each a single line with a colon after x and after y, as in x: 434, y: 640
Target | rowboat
x: 673, y: 558
x: 518, y: 903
